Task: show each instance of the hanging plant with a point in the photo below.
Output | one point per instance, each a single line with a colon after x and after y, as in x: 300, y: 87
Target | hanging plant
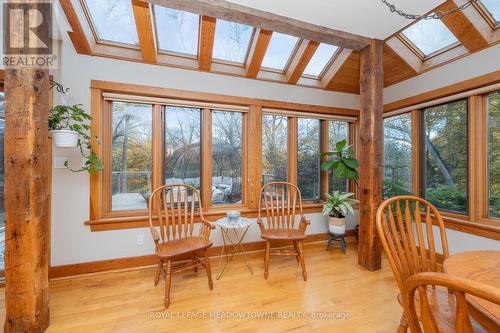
x: 69, y: 128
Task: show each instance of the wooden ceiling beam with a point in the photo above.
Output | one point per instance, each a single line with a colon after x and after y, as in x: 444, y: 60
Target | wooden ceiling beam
x: 299, y: 62
x: 268, y: 21
x: 206, y: 42
x: 144, y: 30
x: 77, y: 35
x: 462, y: 27
x: 257, y: 51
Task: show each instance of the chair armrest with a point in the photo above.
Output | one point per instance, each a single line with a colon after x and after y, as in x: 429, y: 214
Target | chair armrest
x: 261, y: 224
x: 304, y: 222
x: 205, y: 228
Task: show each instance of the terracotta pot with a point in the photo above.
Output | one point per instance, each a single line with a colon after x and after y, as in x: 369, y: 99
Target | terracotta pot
x: 336, y: 225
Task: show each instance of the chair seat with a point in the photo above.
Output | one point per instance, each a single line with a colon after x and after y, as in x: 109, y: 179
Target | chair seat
x: 288, y: 234
x: 443, y: 306
x: 181, y: 246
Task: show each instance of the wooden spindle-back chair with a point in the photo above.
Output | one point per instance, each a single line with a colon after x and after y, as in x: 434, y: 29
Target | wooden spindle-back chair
x: 405, y: 229
x: 282, y: 200
x: 422, y: 315
x: 174, y: 207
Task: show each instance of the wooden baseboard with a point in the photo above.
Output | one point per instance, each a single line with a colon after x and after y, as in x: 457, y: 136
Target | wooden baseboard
x: 149, y: 260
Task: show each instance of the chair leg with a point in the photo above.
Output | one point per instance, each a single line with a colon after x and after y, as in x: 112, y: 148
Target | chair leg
x: 302, y: 261
x: 266, y: 259
x: 168, y: 283
x: 209, y: 271
x: 296, y: 250
x: 195, y: 268
x: 158, y: 272
x: 403, y: 324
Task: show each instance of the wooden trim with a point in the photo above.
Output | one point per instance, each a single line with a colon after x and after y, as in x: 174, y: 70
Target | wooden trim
x: 257, y: 18
x: 323, y: 144
x: 157, y: 146
x: 57, y: 272
x: 77, y: 35
x: 417, y: 152
x: 257, y: 51
x: 255, y: 156
x: 292, y: 149
x: 96, y: 106
x: 206, y: 159
x: 206, y: 42
x: 299, y: 62
x: 144, y: 30
x: 474, y: 83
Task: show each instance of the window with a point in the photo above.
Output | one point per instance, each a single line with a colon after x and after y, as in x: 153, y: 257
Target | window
x: 324, y: 53
x: 445, y: 157
x: 227, y: 136
x: 131, y: 155
x: 182, y: 146
x: 493, y: 7
x: 274, y: 148
x: 494, y: 154
x: 176, y: 30
x: 231, y: 41
x: 430, y: 36
x: 113, y: 20
x: 279, y: 51
x: 337, y: 131
x: 308, y: 161
x: 397, y: 155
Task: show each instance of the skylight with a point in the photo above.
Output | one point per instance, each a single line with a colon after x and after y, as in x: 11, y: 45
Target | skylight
x: 177, y: 30
x: 231, y: 41
x: 493, y: 6
x: 320, y: 59
x: 279, y: 51
x: 113, y: 21
x: 430, y: 36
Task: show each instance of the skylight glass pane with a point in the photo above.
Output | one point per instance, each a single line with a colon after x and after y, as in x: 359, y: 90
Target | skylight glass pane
x: 113, y: 20
x: 430, y: 36
x: 493, y: 6
x: 231, y: 41
x: 177, y: 30
x: 279, y: 51
x: 320, y: 59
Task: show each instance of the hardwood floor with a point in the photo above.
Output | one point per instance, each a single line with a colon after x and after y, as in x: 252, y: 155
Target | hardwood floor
x: 127, y: 301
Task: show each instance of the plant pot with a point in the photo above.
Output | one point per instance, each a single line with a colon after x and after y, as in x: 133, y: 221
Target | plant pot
x: 65, y: 138
x: 336, y: 225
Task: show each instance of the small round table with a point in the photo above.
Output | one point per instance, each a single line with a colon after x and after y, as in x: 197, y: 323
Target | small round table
x: 233, y: 232
x: 484, y: 267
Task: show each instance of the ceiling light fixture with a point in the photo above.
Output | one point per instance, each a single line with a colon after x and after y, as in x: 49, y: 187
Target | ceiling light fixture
x: 432, y: 16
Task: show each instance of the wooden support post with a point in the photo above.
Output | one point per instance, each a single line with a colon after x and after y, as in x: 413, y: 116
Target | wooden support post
x: 370, y: 153
x: 26, y: 200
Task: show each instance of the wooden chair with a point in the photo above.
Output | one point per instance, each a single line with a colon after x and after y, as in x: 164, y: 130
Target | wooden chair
x: 281, y: 202
x: 458, y: 318
x: 405, y: 230
x: 174, y: 207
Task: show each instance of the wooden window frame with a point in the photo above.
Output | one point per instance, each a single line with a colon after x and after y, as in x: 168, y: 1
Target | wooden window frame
x: 102, y: 218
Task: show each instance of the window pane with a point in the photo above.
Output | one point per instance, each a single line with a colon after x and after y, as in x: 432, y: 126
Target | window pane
x: 397, y: 156
x: 113, y: 20
x: 182, y: 146
x: 274, y: 148
x: 320, y: 59
x: 337, y: 131
x: 177, y: 30
x: 446, y: 156
x: 231, y: 41
x: 227, y: 130
x: 430, y: 36
x: 308, y: 158
x: 494, y: 153
x: 493, y: 6
x: 2, y: 207
x: 279, y: 50
x: 131, y: 155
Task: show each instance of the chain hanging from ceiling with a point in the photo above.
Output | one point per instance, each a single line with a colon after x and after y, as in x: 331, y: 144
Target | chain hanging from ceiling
x: 435, y: 16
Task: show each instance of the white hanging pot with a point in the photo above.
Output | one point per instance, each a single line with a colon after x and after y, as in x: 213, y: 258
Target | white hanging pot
x: 336, y: 225
x: 65, y: 138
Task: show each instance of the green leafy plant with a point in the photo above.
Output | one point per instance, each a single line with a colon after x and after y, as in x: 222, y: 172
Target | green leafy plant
x: 342, y: 161
x: 338, y: 204
x: 74, y: 118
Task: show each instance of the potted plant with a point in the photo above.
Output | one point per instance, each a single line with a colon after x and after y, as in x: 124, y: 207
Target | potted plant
x: 69, y: 127
x: 336, y: 206
x: 345, y: 166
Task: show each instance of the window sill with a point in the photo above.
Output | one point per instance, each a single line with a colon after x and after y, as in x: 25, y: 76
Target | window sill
x: 486, y: 227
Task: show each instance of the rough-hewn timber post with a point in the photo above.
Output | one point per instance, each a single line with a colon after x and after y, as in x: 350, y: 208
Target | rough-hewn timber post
x: 370, y: 153
x: 26, y: 201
